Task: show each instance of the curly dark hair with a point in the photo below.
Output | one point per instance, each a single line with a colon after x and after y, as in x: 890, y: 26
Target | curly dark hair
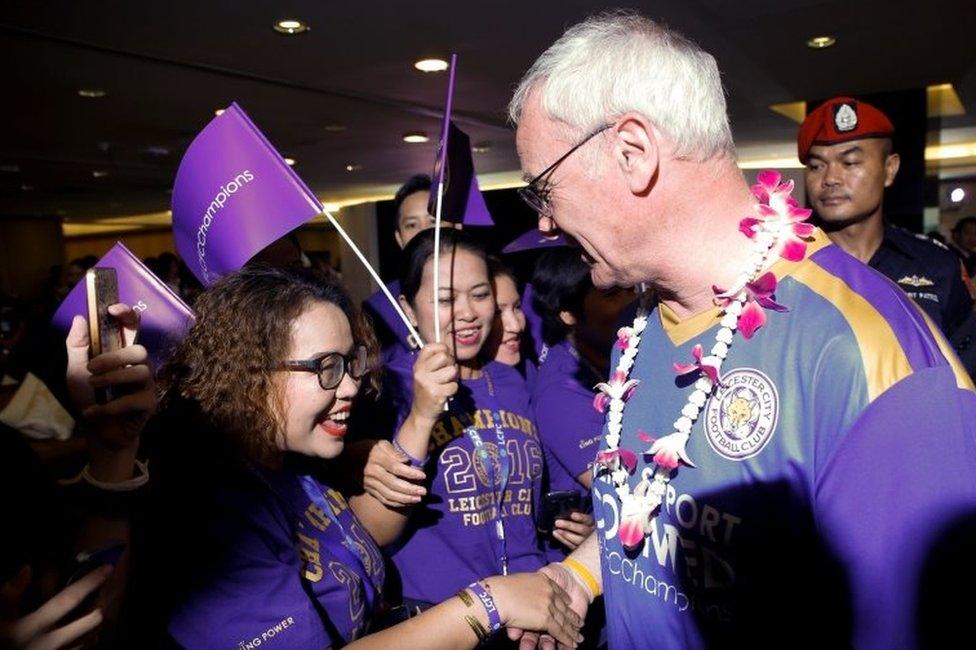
x: 242, y: 331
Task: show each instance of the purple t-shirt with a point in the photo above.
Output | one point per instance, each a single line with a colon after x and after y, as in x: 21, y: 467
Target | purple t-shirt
x: 285, y: 577
x: 450, y: 540
x: 569, y: 427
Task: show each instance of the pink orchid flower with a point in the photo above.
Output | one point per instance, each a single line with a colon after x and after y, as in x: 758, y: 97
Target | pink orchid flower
x: 619, y: 387
x: 611, y: 459
x: 624, y: 335
x: 631, y: 532
x: 707, y: 369
x: 669, y: 451
x: 776, y: 204
x: 759, y: 296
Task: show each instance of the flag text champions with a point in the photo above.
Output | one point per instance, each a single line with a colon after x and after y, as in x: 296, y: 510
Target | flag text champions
x: 218, y: 202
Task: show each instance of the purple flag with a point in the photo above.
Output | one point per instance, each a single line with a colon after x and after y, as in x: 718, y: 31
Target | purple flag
x: 461, y: 201
x: 533, y: 240
x: 164, y: 318
x: 234, y: 194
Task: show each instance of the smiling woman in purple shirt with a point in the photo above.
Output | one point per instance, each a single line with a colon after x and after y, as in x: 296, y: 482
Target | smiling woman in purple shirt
x: 249, y: 541
x: 482, y: 457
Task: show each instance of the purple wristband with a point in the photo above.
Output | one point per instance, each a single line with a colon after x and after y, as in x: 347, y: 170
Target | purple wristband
x: 412, y: 460
x: 494, y: 618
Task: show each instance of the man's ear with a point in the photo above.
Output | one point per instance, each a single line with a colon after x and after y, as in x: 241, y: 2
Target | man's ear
x: 398, y: 237
x: 636, y: 151
x: 892, y: 163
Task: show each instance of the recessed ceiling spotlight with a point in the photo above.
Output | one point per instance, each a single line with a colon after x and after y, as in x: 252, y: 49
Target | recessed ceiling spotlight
x: 290, y: 26
x: 415, y: 137
x: 335, y: 128
x: 290, y: 162
x: 957, y: 195
x: 481, y: 147
x: 353, y: 167
x: 99, y: 173
x: 219, y: 112
x: 820, y: 42
x: 91, y: 93
x: 157, y: 151
x: 431, y: 65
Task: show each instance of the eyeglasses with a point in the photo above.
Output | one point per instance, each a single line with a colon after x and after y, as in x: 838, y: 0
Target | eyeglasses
x: 536, y: 193
x: 332, y: 367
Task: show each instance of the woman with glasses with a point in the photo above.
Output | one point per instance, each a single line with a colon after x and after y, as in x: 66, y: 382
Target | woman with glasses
x: 248, y: 540
x: 478, y: 462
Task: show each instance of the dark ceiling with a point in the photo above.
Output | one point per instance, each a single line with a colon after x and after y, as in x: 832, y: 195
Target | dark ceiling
x: 166, y: 66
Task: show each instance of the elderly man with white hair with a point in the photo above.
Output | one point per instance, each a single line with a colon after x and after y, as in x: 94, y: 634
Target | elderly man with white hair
x: 789, y: 446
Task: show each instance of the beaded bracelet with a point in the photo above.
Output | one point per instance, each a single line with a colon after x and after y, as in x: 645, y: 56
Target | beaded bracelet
x: 411, y: 459
x: 494, y: 618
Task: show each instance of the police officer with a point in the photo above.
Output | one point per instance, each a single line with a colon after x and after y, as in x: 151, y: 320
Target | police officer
x: 847, y: 149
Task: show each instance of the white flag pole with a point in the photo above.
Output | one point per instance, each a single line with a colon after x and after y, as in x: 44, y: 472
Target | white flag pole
x: 376, y: 276
x: 440, y: 196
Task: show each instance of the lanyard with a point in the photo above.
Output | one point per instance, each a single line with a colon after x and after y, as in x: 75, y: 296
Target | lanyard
x: 313, y: 490
x: 504, y: 465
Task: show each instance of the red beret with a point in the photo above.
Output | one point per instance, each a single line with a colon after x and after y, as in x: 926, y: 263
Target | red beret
x: 841, y: 119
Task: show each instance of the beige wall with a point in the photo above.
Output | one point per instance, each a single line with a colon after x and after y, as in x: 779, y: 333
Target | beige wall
x: 28, y: 249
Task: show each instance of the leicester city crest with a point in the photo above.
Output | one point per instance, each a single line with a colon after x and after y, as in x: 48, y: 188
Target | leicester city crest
x: 740, y: 418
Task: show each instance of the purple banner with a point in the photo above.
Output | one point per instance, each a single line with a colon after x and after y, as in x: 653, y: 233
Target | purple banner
x: 164, y: 318
x: 234, y: 194
x: 454, y: 174
x: 534, y: 240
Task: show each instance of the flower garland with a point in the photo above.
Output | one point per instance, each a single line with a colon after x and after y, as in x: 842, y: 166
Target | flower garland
x: 780, y: 229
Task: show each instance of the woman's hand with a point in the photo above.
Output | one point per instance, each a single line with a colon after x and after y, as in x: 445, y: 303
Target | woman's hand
x: 390, y: 479
x: 116, y: 425
x: 533, y: 601
x: 38, y: 631
x: 435, y: 380
x: 571, y: 532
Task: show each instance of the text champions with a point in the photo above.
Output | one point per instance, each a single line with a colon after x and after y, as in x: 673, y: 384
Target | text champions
x: 218, y: 202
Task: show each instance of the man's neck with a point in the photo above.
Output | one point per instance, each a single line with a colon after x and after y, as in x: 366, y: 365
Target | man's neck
x: 705, y: 248
x: 861, y: 239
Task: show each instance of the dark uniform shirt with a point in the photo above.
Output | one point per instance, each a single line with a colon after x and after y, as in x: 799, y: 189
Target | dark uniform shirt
x: 928, y: 272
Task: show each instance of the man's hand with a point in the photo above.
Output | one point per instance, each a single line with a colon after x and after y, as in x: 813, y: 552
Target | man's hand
x: 579, y: 602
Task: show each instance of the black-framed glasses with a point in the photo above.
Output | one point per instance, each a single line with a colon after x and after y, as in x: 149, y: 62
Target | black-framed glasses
x: 536, y: 193
x: 333, y: 366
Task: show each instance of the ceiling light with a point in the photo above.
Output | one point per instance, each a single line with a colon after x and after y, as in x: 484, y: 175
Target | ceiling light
x: 290, y: 162
x: 157, y: 151
x: 415, y: 137
x: 431, y: 65
x: 353, y: 168
x: 91, y: 93
x: 481, y: 147
x: 99, y: 173
x: 334, y: 128
x: 219, y: 112
x: 957, y: 195
x: 290, y: 26
x: 26, y: 188
x: 820, y: 42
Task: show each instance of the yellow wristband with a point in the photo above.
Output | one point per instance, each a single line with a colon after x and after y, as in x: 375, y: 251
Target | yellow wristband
x: 579, y: 569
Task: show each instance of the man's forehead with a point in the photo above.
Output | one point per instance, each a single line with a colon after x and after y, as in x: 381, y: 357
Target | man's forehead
x: 841, y: 148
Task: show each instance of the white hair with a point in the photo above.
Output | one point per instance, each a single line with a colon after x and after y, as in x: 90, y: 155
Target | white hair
x: 619, y: 62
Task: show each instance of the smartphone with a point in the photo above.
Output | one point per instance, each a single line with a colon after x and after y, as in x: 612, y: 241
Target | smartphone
x: 104, y: 331
x: 87, y: 561
x: 557, y: 505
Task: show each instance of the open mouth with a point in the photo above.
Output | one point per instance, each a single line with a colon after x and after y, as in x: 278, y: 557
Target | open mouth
x: 513, y: 343
x: 335, y: 424
x: 467, y: 336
